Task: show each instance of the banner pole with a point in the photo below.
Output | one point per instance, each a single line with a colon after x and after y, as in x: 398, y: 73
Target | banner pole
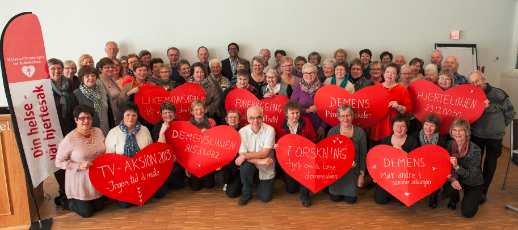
x: 28, y: 179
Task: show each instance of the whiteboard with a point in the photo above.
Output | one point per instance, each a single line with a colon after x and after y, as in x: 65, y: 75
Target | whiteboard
x: 466, y: 55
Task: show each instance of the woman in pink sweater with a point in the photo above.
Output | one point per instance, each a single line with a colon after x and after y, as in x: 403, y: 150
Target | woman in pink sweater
x: 75, y: 155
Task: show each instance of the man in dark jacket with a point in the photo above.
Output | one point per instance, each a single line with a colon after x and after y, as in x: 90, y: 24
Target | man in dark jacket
x: 489, y: 130
x: 229, y: 65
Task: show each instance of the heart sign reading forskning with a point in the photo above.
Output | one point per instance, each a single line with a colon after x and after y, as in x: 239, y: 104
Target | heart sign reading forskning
x: 315, y: 166
x: 133, y: 180
x: 150, y: 97
x: 462, y: 101
x: 409, y: 176
x: 273, y: 107
x: 370, y: 104
x: 200, y: 152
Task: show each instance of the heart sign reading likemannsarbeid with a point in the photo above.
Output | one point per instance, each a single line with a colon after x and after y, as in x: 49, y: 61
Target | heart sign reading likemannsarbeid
x: 409, y: 176
x: 315, y: 166
x: 273, y: 107
x: 150, y: 97
x: 462, y: 101
x: 370, y: 104
x: 202, y: 152
x: 133, y: 180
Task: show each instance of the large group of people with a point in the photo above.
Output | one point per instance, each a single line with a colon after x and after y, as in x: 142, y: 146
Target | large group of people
x: 95, y: 104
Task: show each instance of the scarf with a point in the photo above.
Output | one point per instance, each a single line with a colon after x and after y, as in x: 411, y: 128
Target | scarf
x: 310, y: 88
x: 94, y: 95
x: 425, y: 141
x: 203, y: 124
x: 463, y: 150
x: 343, y: 84
x: 63, y: 90
x: 130, y: 144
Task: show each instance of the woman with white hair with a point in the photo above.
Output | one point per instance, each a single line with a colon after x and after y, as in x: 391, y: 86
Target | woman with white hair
x: 216, y: 75
x: 328, y: 69
x: 274, y: 86
x: 304, y: 93
x: 431, y: 73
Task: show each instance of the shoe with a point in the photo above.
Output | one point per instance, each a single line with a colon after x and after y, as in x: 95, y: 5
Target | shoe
x: 350, y: 199
x: 225, y: 187
x: 306, y: 203
x: 433, y: 203
x: 243, y: 200
x: 59, y: 200
x: 483, y: 199
x: 452, y: 205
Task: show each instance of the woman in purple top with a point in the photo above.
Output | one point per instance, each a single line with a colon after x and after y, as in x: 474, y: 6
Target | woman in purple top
x: 304, y: 93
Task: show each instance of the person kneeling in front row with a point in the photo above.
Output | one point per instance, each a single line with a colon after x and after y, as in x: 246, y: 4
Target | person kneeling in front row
x: 255, y: 154
x: 466, y: 173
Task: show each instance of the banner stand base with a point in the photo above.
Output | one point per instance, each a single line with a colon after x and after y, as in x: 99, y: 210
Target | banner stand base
x: 45, y: 224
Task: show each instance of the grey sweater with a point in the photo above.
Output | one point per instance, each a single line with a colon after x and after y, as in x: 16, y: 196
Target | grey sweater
x: 496, y: 117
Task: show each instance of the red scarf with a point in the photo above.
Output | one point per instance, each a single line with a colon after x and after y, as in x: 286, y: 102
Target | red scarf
x: 463, y: 150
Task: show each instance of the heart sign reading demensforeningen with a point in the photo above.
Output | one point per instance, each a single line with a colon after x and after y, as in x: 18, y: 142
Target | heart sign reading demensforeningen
x: 150, y: 97
x: 409, y: 176
x: 462, y: 101
x: 273, y: 107
x: 133, y: 180
x: 315, y: 166
x: 370, y: 104
x: 200, y: 152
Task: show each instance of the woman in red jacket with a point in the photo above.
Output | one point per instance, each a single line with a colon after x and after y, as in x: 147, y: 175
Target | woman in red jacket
x: 400, y: 103
x: 301, y: 125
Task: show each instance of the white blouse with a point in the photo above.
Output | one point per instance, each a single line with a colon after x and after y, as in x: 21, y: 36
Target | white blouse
x: 116, y: 138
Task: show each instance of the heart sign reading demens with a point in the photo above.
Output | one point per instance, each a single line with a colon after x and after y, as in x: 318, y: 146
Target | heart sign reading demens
x: 370, y: 104
x: 315, y: 166
x: 273, y: 107
x: 202, y: 152
x: 133, y: 180
x: 150, y: 97
x: 409, y: 176
x: 462, y: 101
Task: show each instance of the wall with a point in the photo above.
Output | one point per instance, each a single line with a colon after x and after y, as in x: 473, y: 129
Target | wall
x: 407, y: 27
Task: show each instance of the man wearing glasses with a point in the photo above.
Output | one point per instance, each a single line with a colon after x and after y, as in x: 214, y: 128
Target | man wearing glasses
x: 255, y: 154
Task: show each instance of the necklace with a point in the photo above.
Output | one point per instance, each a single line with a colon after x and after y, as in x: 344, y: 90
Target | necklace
x: 88, y: 137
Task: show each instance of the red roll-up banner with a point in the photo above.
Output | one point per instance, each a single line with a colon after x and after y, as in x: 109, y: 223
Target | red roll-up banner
x: 29, y: 93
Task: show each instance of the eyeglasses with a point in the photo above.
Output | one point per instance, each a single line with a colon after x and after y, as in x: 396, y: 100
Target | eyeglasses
x: 309, y: 72
x: 84, y: 118
x: 255, y: 118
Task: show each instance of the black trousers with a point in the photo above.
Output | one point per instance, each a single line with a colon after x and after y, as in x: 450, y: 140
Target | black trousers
x: 232, y: 179
x: 247, y: 172
x: 470, y: 201
x: 60, y: 178
x: 491, y: 150
x: 85, y: 208
x: 293, y: 186
x: 198, y: 183
x: 177, y: 178
x: 381, y: 196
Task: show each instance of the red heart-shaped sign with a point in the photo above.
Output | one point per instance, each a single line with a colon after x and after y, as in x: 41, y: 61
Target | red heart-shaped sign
x: 273, y: 107
x: 202, y: 153
x: 133, y: 180
x: 315, y: 166
x: 462, y: 101
x: 370, y: 104
x: 409, y: 177
x: 150, y: 97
